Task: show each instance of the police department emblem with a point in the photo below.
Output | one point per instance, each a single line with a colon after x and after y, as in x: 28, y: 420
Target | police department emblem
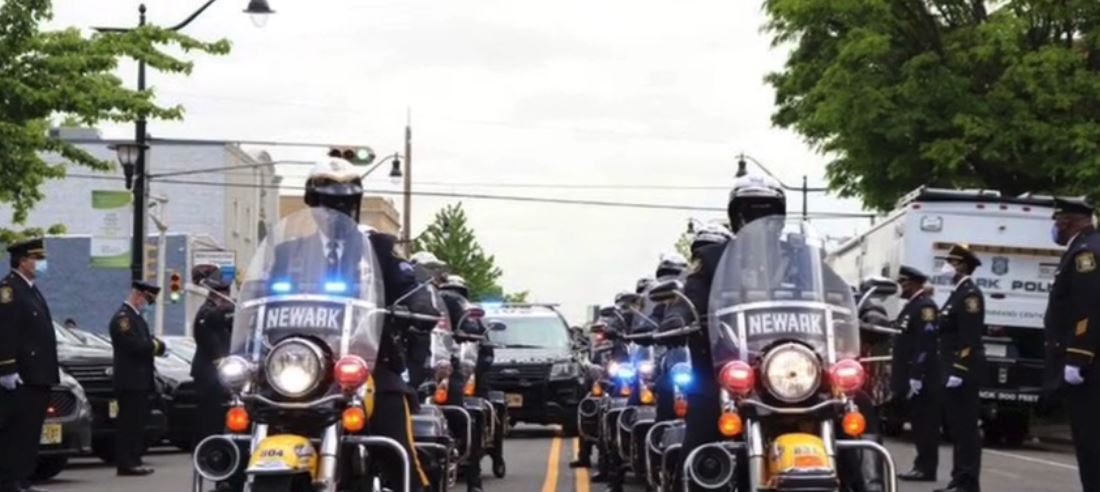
x: 1086, y: 262
x: 1000, y: 265
x: 124, y: 324
x: 5, y: 295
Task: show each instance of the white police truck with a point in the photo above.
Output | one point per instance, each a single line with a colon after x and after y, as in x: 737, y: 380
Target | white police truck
x: 1011, y: 236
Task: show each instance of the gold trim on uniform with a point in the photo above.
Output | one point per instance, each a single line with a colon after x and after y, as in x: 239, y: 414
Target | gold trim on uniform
x: 928, y: 314
x: 961, y: 367
x: 5, y: 295
x: 964, y: 353
x: 1084, y: 352
x: 1085, y: 262
x: 972, y: 304
x: 7, y: 362
x: 1082, y: 327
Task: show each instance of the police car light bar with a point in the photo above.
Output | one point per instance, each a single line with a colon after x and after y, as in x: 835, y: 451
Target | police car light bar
x: 281, y: 287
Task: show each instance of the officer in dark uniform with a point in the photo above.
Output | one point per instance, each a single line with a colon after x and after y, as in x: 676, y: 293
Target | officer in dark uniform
x: 134, y: 349
x: 1072, y: 339
x: 212, y: 330
x: 455, y: 296
x: 28, y: 364
x: 337, y: 185
x: 915, y: 374
x: 419, y: 343
x: 962, y: 324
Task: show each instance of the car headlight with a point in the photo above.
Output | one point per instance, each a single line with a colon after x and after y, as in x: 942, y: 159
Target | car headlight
x: 295, y: 367
x: 234, y: 372
x: 792, y: 373
x: 563, y: 370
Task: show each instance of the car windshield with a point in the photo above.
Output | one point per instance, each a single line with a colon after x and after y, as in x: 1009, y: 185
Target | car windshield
x: 531, y: 332
x: 64, y: 336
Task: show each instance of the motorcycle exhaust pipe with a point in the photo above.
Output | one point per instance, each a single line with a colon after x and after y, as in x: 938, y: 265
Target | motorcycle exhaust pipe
x: 711, y: 467
x: 217, y: 458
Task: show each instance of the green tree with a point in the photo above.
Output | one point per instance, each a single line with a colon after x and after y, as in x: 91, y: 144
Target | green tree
x: 50, y: 74
x: 451, y: 239
x: 954, y: 93
x: 683, y: 244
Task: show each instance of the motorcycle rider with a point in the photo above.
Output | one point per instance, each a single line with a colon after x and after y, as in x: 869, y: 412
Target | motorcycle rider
x: 420, y: 344
x: 335, y: 184
x: 455, y: 296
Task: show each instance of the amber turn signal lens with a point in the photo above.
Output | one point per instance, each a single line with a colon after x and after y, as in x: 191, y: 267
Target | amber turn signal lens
x: 355, y: 419
x: 625, y: 391
x: 730, y: 425
x: 597, y: 390
x: 854, y: 424
x: 681, y: 408
x: 237, y: 420
x: 648, y: 397
x: 469, y: 389
x: 440, y: 395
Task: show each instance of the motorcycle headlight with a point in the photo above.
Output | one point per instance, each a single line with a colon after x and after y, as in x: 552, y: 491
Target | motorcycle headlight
x: 792, y: 373
x: 647, y: 369
x: 295, y: 367
x: 234, y: 372
x: 563, y: 370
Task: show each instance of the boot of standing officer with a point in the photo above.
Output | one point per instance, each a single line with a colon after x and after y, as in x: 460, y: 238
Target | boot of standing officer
x: 28, y: 364
x: 962, y: 324
x: 915, y: 372
x: 1072, y: 339
x: 212, y: 329
x: 134, y: 349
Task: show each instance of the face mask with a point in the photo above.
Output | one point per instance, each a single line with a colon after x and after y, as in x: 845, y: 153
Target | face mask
x: 947, y: 269
x: 41, y: 266
x: 1055, y: 235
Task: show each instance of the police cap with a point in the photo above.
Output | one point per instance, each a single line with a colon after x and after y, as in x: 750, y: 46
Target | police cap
x: 32, y: 247
x: 908, y: 273
x: 145, y: 287
x: 961, y: 252
x: 1072, y: 206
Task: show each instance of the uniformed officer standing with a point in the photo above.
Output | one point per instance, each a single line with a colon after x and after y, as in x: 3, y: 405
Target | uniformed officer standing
x: 28, y: 364
x: 213, y: 328
x: 1072, y: 340
x: 915, y: 374
x: 962, y: 323
x: 134, y: 349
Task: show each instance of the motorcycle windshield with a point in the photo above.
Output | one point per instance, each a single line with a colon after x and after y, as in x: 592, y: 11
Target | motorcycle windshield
x: 772, y: 286
x: 317, y: 277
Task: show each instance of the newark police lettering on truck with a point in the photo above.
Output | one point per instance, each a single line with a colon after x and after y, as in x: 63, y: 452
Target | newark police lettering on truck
x: 1011, y: 235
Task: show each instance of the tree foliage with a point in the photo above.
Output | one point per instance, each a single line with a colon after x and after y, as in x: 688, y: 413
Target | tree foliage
x: 48, y: 74
x: 954, y: 93
x: 451, y: 239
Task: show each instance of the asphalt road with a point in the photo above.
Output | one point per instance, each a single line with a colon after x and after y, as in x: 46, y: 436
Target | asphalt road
x: 538, y: 461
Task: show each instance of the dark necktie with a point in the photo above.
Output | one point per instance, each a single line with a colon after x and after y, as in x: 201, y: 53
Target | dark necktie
x: 333, y: 256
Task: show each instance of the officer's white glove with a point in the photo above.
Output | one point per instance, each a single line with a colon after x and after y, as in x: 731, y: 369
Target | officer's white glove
x: 10, y: 381
x: 1073, y: 375
x: 915, y: 385
x: 954, y: 382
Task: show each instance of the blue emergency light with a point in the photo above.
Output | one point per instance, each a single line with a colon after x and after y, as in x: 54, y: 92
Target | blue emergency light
x: 681, y: 374
x: 280, y: 287
x: 336, y: 287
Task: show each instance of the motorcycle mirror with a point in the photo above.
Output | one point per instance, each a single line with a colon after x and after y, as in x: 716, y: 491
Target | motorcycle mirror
x: 666, y: 290
x: 608, y: 312
x: 497, y: 326
x: 879, y: 286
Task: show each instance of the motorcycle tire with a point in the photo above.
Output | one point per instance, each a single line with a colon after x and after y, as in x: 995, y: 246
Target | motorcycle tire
x: 282, y: 483
x: 500, y: 470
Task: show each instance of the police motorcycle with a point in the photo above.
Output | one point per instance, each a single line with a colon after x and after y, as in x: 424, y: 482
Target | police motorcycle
x: 440, y: 449
x: 305, y: 341
x: 612, y: 391
x: 785, y: 339
x: 490, y: 411
x: 664, y: 440
x: 603, y: 351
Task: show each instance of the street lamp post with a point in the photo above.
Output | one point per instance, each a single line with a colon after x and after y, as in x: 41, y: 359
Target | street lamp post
x: 137, y: 244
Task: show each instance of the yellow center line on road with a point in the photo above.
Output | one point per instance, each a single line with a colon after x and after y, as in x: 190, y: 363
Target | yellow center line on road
x: 551, y: 482
x: 583, y: 482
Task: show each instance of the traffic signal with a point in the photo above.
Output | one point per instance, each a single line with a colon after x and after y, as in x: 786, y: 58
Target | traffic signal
x: 359, y: 156
x: 175, y: 286
x: 151, y: 255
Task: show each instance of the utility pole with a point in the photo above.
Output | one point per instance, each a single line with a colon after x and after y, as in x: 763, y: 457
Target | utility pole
x: 406, y: 217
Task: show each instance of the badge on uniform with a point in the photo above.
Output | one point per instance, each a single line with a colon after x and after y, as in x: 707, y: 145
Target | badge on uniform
x: 972, y: 304
x: 5, y: 295
x: 1086, y: 262
x: 1082, y: 328
x: 124, y: 324
x: 928, y: 314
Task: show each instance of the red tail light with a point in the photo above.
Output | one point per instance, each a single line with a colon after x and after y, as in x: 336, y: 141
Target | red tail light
x: 847, y: 376
x: 738, y: 377
x: 351, y: 372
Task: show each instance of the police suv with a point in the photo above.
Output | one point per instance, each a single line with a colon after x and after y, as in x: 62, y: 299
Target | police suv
x: 1011, y: 236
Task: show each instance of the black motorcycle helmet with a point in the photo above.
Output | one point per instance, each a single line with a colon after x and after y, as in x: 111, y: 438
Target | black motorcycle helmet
x: 753, y: 197
x: 335, y: 184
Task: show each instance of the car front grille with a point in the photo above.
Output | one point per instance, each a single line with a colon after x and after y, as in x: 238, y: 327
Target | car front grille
x: 518, y: 374
x: 96, y: 379
x: 62, y: 404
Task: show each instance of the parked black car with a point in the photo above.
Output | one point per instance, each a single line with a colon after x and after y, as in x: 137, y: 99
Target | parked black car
x: 92, y: 366
x: 67, y: 431
x: 536, y: 364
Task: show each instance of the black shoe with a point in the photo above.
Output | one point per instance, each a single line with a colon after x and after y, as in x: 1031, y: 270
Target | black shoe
x: 916, y: 476
x: 598, y: 477
x: 137, y: 471
x: 29, y: 488
x: 473, y: 488
x: 958, y: 488
x: 580, y: 464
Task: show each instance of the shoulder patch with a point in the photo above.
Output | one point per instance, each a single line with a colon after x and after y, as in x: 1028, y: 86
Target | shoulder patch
x: 928, y: 314
x: 973, y: 304
x: 1085, y: 262
x: 5, y: 295
x: 124, y: 324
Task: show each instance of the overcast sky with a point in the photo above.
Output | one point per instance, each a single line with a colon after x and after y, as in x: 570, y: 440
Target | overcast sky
x: 570, y: 92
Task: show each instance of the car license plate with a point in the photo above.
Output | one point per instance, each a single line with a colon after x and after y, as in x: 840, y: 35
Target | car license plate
x: 112, y: 409
x: 514, y: 400
x: 51, y: 434
x: 996, y: 350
